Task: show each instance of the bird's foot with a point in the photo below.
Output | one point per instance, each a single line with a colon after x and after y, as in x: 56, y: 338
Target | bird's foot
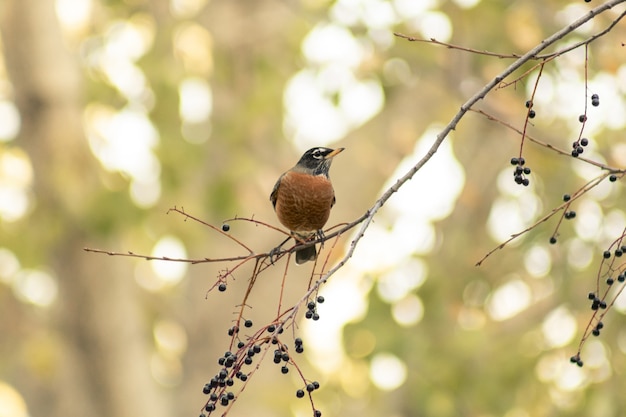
x: 273, y: 253
x: 321, y: 236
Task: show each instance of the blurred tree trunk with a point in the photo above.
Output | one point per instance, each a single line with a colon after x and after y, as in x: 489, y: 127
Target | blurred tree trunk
x: 96, y: 374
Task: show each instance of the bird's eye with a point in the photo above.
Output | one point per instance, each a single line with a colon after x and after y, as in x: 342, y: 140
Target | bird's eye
x: 317, y: 154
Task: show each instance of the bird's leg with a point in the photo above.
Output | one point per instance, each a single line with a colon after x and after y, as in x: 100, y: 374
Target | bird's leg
x: 320, y: 235
x: 274, y: 252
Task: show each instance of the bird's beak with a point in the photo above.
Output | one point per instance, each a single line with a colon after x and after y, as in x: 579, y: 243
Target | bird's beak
x: 333, y: 153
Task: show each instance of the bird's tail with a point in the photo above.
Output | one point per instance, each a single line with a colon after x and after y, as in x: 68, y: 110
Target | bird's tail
x: 306, y: 254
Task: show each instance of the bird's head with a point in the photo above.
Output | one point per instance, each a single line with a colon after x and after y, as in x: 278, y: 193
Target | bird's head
x: 316, y: 161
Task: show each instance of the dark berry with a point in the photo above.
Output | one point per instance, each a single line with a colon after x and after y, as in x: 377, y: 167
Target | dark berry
x: 603, y: 304
x: 206, y: 389
x: 580, y: 362
x: 529, y: 104
x: 566, y: 197
x: 248, y: 360
x: 209, y: 407
x: 316, y: 384
x: 606, y: 254
x: 300, y: 393
x: 521, y: 161
x: 311, y: 305
x: 308, y: 314
x: 224, y: 400
x: 221, y: 361
x: 243, y: 377
x: 582, y: 118
x: 621, y: 277
x: 519, y: 179
x: 240, y: 344
x: 298, y: 341
x: 247, y: 323
x: 299, y: 349
x: 595, y: 103
x: 584, y: 141
x: 225, y: 227
x: 256, y: 349
x: 595, y: 97
x: 230, y: 382
x: 527, y: 171
x: 230, y: 395
x: 514, y: 161
x: 580, y: 150
x: 610, y: 281
x: 613, y: 178
x: 591, y: 296
x: 574, y: 359
x: 574, y: 153
x: 525, y: 182
x: 310, y: 387
x: 595, y: 332
x: 320, y: 299
x: 552, y: 240
x: 531, y: 114
x: 222, y: 287
x: 213, y: 397
x: 316, y: 316
x: 600, y: 325
x: 277, y: 360
x: 317, y: 413
x: 284, y: 370
x: 271, y: 328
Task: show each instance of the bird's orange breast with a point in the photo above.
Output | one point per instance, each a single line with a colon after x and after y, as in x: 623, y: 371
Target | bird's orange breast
x: 303, y: 201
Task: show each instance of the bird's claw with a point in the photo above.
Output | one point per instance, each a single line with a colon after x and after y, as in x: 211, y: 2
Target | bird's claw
x: 273, y: 253
x: 321, y: 236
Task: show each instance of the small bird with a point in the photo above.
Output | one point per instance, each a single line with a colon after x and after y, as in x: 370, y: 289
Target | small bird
x: 303, y: 197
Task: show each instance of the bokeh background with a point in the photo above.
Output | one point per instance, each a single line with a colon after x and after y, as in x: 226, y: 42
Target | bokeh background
x: 112, y: 112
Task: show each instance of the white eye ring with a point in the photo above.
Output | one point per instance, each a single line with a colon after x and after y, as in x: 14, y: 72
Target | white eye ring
x: 317, y: 154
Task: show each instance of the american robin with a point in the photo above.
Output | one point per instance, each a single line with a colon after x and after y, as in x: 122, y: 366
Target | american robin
x: 303, y: 197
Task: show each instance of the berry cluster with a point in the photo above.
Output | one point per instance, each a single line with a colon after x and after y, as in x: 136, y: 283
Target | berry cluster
x: 568, y: 215
x: 531, y: 112
x: 595, y: 100
x: 217, y: 387
x: 311, y: 306
x: 598, y: 301
x: 520, y: 172
x: 578, y: 146
x: 233, y: 363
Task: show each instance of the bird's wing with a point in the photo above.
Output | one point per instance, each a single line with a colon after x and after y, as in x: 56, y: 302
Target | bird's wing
x: 274, y: 193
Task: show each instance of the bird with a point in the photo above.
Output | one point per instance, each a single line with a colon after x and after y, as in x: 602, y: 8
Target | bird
x: 303, y: 196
